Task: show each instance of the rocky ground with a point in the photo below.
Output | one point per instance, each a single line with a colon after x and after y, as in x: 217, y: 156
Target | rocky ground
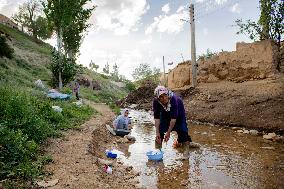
x: 78, y: 157
x: 141, y: 97
x: 257, y: 104
x: 252, y: 104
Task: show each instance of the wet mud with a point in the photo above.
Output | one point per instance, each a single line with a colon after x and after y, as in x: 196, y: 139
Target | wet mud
x: 227, y: 159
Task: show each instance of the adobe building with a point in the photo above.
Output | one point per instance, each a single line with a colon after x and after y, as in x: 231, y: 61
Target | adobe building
x: 7, y: 21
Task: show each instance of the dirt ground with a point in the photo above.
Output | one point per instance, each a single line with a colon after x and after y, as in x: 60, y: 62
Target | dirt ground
x: 75, y: 156
x: 257, y: 104
x: 252, y: 104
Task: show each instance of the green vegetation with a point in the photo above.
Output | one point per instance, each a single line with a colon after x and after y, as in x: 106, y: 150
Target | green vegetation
x: 109, y: 92
x: 68, y: 68
x: 270, y: 24
x: 144, y: 72
x: 28, y: 16
x: 5, y: 50
x: 27, y: 117
x: 26, y: 42
x: 70, y: 25
x: 209, y: 54
x: 26, y: 121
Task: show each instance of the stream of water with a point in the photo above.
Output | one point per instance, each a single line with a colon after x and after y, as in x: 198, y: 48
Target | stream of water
x: 227, y: 159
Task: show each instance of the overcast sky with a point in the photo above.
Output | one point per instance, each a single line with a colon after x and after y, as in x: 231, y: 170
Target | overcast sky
x: 130, y: 32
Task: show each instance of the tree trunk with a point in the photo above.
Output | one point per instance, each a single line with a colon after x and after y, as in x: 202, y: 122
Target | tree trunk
x: 59, y: 46
x: 70, y: 54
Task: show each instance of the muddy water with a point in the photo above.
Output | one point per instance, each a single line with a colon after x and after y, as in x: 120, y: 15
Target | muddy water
x: 226, y: 160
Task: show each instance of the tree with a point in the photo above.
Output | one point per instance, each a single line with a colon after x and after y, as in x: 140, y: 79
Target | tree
x: 19, y: 17
x: 270, y: 24
x: 69, y: 20
x: 144, y: 72
x: 106, y: 69
x: 93, y: 66
x: 75, y: 25
x: 42, y: 29
x: 27, y: 15
x: 69, y: 69
x: 207, y: 55
x: 114, y: 73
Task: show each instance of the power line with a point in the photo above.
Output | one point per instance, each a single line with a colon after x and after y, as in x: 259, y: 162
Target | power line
x: 215, y: 7
x: 205, y: 8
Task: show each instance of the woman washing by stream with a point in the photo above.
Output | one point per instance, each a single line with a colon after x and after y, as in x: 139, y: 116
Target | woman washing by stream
x: 169, y: 115
x: 120, y: 124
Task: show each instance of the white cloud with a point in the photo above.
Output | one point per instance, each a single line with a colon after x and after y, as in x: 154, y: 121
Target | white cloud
x: 205, y: 31
x: 180, y: 9
x: 119, y: 16
x: 9, y: 7
x: 220, y: 2
x: 147, y: 40
x: 236, y: 8
x: 2, y: 4
x: 168, y: 23
x: 166, y: 8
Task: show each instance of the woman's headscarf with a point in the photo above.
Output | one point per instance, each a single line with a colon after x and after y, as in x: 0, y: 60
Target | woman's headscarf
x: 162, y: 90
x: 124, y: 110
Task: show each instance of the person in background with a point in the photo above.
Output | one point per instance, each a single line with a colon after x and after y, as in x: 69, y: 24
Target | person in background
x: 76, y: 90
x: 120, y: 124
x: 169, y: 115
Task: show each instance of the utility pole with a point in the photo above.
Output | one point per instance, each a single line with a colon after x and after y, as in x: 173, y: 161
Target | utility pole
x: 193, y: 49
x: 182, y: 57
x: 164, y: 71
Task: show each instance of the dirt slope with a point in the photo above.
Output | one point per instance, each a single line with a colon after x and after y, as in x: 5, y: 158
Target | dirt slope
x: 257, y: 104
x: 252, y: 104
x: 75, y: 166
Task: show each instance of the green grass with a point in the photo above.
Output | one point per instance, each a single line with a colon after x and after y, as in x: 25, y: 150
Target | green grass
x: 27, y: 117
x: 25, y: 41
x: 27, y: 120
x: 19, y: 71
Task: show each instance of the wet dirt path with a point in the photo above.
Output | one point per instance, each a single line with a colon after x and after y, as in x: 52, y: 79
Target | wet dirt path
x: 73, y: 165
x: 227, y: 159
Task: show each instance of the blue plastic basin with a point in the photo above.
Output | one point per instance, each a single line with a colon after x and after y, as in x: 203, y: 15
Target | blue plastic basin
x: 110, y: 154
x: 155, y: 156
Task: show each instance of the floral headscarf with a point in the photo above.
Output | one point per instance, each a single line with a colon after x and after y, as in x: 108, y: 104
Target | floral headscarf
x: 163, y: 90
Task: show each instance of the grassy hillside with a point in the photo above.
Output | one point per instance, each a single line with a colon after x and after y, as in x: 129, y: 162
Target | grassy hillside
x: 31, y: 61
x: 26, y: 115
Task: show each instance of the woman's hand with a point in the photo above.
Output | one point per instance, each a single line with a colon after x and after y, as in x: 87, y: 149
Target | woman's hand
x: 158, y: 138
x: 167, y: 136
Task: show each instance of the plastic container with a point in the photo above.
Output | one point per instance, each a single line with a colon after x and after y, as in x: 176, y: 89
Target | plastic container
x: 108, y: 169
x: 155, y: 155
x: 110, y: 154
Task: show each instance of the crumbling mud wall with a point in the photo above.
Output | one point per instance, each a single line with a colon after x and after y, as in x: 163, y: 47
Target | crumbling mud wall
x: 250, y: 61
x: 179, y: 76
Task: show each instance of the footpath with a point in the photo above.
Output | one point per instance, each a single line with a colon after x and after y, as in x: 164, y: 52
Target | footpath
x: 74, y: 162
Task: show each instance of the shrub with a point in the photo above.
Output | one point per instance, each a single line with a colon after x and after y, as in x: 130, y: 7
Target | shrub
x: 5, y: 50
x: 130, y: 86
x: 209, y: 54
x: 26, y: 121
x: 68, y: 68
x: 17, y: 152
